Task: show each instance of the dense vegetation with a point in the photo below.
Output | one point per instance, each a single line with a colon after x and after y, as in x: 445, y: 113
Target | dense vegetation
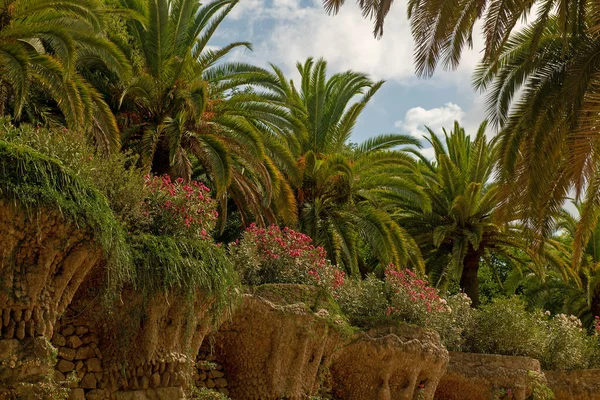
x: 119, y: 113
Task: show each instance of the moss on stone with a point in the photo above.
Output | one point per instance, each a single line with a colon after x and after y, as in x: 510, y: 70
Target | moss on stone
x: 34, y: 181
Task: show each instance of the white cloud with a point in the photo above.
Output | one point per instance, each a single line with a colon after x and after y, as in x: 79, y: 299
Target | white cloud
x: 296, y: 32
x: 435, y: 118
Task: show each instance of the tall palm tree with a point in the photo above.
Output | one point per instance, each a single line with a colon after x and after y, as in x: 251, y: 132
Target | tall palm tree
x: 546, y: 99
x: 189, y: 113
x: 42, y: 45
x: 344, y: 192
x: 460, y: 231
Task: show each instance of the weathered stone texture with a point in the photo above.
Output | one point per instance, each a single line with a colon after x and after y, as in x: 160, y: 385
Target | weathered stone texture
x: 403, y: 362
x: 273, y: 351
x: 574, y: 385
x: 484, y: 376
x: 44, y: 259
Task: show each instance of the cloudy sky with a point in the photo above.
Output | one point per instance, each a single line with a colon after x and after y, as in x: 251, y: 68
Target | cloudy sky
x: 286, y: 31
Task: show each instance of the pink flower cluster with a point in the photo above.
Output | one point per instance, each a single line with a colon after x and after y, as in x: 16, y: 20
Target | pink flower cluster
x: 179, y: 208
x: 275, y: 255
x: 597, y: 325
x: 407, y: 286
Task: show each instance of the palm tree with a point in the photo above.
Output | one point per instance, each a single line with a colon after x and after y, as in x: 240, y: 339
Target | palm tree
x: 42, y: 45
x: 460, y: 231
x: 344, y: 193
x: 188, y: 113
x: 545, y: 98
x: 564, y: 289
x: 442, y: 28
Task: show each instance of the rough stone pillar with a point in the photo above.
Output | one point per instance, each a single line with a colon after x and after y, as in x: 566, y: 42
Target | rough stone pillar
x: 400, y: 363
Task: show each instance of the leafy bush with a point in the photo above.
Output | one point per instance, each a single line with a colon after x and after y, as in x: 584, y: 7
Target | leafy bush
x: 274, y: 255
x: 179, y: 209
x: 364, y: 299
x: 570, y: 346
x: 505, y: 326
x: 454, y: 324
x: 115, y: 176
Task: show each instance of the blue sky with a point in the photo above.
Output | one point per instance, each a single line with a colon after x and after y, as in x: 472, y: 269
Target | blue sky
x: 286, y: 31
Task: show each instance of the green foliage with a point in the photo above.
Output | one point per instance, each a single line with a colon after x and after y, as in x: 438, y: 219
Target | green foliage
x: 34, y: 181
x: 506, y: 327
x: 207, y: 394
x: 163, y: 263
x: 462, y: 229
x: 343, y: 191
x: 540, y: 390
x: 115, y: 176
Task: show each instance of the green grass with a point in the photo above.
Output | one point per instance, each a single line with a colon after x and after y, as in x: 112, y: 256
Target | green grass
x: 34, y: 181
x: 164, y: 262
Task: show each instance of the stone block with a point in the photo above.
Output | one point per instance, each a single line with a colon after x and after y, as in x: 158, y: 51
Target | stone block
x: 65, y: 366
x: 67, y: 353
x: 84, y: 353
x: 74, y: 342
x: 77, y: 394
x: 94, y: 365
x: 59, y: 340
x: 89, y: 381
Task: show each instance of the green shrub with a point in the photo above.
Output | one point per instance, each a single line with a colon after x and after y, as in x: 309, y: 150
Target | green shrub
x: 207, y: 394
x: 504, y: 326
x: 570, y: 346
x: 164, y: 262
x: 275, y: 255
x: 454, y: 325
x: 398, y: 298
x: 115, y: 176
x: 368, y: 298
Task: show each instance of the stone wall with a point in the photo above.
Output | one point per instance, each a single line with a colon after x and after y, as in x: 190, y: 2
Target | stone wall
x: 142, y: 346
x: 574, y: 385
x: 80, y: 358
x: 489, y: 376
x: 398, y: 363
x: 43, y: 261
x: 209, y: 371
x: 275, y: 351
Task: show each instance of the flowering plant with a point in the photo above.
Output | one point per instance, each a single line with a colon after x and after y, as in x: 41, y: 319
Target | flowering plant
x: 179, y: 209
x: 275, y: 255
x: 412, y: 297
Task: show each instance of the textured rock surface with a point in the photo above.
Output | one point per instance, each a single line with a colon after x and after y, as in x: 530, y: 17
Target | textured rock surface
x: 43, y: 261
x: 487, y: 376
x: 403, y: 362
x: 171, y: 393
x: 575, y: 385
x: 271, y: 351
x: 137, y: 346
x: 28, y: 360
x: 209, y: 371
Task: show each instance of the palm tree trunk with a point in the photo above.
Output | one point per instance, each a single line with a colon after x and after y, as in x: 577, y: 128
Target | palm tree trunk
x: 469, y: 282
x: 595, y: 301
